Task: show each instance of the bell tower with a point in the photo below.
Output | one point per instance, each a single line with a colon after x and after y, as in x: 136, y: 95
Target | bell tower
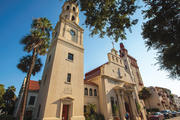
x: 70, y: 12
x: 61, y: 95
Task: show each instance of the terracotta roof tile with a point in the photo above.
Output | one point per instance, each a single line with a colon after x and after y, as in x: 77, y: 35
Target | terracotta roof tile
x: 34, y: 85
x: 93, y: 73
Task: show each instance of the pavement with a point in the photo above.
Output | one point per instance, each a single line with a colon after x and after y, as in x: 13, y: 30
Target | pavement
x: 175, y: 118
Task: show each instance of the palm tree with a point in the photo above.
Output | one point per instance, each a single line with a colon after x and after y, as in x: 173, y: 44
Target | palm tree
x: 37, y: 42
x: 9, y: 98
x: 144, y: 94
x: 25, y: 63
x: 91, y: 108
x: 2, y: 91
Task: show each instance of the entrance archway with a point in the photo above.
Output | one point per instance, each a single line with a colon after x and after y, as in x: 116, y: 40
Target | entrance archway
x: 129, y: 106
x: 66, y: 108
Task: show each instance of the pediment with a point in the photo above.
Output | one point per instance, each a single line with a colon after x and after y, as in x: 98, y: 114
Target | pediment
x: 67, y: 98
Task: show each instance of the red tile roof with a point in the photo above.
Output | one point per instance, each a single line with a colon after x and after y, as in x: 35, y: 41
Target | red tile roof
x: 34, y: 85
x: 93, y: 73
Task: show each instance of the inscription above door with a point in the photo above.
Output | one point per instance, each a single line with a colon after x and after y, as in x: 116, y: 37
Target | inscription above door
x: 68, y: 90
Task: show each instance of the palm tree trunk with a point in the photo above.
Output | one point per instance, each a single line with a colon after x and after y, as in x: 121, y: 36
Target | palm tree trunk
x: 27, y: 85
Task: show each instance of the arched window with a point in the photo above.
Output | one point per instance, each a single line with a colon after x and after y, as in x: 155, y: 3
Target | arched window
x: 116, y: 59
x: 120, y: 62
x: 90, y: 92
x: 67, y: 8
x: 85, y: 91
x: 74, y: 9
x: 119, y: 72
x: 95, y: 92
x: 73, y: 18
x: 113, y: 58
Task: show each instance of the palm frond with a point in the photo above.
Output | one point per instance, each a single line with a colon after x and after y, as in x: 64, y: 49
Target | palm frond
x: 25, y: 63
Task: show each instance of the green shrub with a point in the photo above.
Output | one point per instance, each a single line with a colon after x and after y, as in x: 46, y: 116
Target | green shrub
x: 153, y: 110
x: 6, y: 117
x: 95, y: 116
x: 91, y: 113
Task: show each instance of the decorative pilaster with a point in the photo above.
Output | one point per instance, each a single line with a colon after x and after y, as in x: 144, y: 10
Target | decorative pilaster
x: 133, y: 106
x: 121, y: 105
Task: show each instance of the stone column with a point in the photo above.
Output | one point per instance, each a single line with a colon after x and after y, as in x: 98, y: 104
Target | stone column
x: 121, y: 105
x: 133, y: 106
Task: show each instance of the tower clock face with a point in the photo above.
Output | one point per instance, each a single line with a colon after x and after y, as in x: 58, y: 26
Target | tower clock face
x: 72, y: 33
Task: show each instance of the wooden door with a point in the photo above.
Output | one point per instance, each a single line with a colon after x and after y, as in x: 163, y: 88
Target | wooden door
x: 65, y: 112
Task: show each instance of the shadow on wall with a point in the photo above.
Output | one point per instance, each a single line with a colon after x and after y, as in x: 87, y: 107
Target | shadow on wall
x: 58, y: 108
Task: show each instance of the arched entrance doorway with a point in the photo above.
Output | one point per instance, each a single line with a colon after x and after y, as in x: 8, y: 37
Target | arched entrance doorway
x: 65, y: 112
x: 66, y: 108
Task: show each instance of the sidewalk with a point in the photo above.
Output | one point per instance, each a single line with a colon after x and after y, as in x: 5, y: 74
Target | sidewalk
x: 175, y: 118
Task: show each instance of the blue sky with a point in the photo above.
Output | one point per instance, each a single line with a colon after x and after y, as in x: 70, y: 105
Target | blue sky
x: 16, y: 17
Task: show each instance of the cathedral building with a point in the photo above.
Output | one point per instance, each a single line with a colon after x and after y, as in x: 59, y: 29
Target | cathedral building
x: 64, y: 92
x: 118, y: 82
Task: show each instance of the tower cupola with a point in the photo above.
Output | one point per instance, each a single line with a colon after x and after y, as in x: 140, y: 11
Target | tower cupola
x: 70, y: 12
